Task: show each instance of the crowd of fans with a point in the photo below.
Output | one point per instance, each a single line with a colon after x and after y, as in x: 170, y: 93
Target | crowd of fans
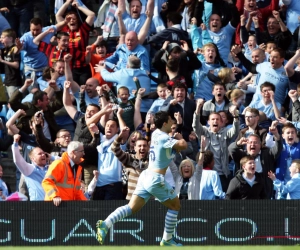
x: 80, y: 115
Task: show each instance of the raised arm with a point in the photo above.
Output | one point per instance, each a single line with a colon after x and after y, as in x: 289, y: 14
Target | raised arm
x: 96, y: 117
x: 90, y: 15
x: 275, y: 108
x: 121, y: 24
x: 43, y: 142
x: 16, y: 98
x: 251, y: 67
x: 137, y: 118
x: 61, y: 24
x: 145, y: 28
x: 10, y: 124
x: 41, y: 36
x: 235, y: 16
x: 24, y: 167
x: 68, y: 73
x: 198, y: 128
x: 120, y: 118
x: 244, y: 30
x: 276, y: 14
x: 67, y: 100
x: 122, y: 6
x: 61, y: 12
x: 289, y: 67
x: 122, y: 156
x: 234, y: 130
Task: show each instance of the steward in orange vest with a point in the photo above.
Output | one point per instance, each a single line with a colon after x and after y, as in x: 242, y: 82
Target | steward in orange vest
x: 62, y: 180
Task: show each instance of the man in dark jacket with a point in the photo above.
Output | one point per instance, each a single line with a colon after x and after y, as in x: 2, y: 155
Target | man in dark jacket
x: 265, y: 158
x: 40, y: 102
x: 247, y: 184
x: 277, y: 32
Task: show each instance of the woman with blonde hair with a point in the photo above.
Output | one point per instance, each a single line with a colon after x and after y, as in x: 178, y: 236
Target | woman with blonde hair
x: 227, y: 77
x: 188, y: 176
x: 237, y: 98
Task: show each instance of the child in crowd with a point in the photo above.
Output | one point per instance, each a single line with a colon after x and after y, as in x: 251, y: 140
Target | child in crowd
x: 290, y: 152
x: 213, y: 63
x: 162, y: 96
x: 124, y: 103
x: 292, y: 187
x: 270, y: 46
x: 247, y: 184
x: 210, y: 185
x: 10, y: 62
x: 249, y: 46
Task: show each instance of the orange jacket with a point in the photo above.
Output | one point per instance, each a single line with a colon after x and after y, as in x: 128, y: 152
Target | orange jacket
x: 59, y: 181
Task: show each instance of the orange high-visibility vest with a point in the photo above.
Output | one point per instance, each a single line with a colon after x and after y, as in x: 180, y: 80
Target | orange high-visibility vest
x: 60, y: 182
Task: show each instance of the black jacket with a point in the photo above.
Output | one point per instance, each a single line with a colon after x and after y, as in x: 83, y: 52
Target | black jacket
x: 268, y: 157
x: 282, y: 39
x: 239, y: 189
x: 173, y: 35
x: 30, y: 109
x: 188, y: 63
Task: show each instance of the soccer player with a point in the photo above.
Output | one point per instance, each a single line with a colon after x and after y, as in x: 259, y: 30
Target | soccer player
x: 152, y: 182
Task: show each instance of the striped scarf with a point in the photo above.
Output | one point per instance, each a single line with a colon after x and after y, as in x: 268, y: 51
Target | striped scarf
x: 110, y: 17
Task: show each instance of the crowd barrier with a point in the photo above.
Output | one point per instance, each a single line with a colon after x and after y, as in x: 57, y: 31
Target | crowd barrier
x: 199, y: 223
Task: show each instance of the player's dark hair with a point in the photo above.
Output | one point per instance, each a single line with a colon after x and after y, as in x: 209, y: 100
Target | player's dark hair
x: 160, y: 118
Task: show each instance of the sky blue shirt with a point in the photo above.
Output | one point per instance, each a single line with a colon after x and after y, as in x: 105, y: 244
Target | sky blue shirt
x: 156, y: 105
x: 32, y: 56
x: 44, y: 84
x: 34, y: 178
x: 109, y: 167
x: 132, y: 24
x: 120, y: 57
x: 292, y: 14
x: 267, y: 109
x: 223, y: 40
x: 202, y: 85
x: 292, y: 188
x: 276, y: 76
x: 161, y: 150
x: 210, y: 186
x: 33, y: 182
